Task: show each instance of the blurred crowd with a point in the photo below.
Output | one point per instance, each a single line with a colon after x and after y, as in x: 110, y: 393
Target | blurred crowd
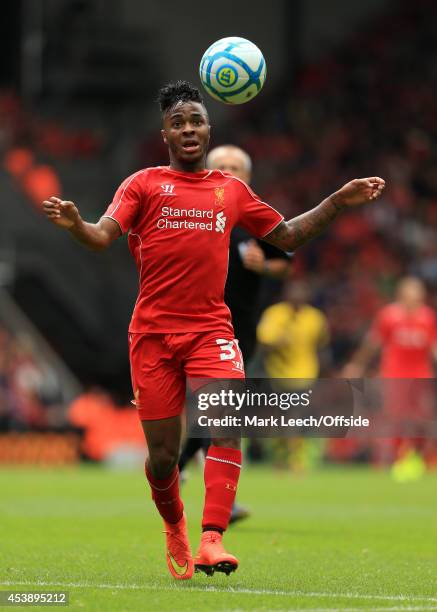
x: 31, y: 401
x: 30, y: 396
x: 31, y: 144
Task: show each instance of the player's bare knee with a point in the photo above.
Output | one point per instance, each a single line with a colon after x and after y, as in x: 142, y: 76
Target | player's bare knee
x: 227, y: 442
x: 162, y: 462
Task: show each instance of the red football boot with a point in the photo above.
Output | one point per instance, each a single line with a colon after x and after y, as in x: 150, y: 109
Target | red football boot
x: 212, y: 557
x: 179, y: 557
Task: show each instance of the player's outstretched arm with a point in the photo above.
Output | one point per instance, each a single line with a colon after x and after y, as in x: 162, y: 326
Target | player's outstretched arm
x: 95, y: 236
x: 289, y: 235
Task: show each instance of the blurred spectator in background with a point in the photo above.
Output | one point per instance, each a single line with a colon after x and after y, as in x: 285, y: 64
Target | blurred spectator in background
x: 29, y: 388
x: 36, y: 180
x: 110, y: 433
x: 39, y: 181
x: 26, y: 138
x: 292, y: 335
x: 404, y: 334
x: 18, y: 161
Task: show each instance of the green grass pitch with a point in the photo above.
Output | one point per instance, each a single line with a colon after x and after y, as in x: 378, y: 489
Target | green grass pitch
x: 336, y: 539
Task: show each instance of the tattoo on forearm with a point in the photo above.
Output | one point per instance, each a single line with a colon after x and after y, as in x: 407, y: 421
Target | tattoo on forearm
x: 289, y: 235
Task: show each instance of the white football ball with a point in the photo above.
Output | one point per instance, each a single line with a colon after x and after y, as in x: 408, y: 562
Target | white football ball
x: 233, y: 70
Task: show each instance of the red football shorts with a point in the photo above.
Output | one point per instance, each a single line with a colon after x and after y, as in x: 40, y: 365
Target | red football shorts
x: 161, y: 363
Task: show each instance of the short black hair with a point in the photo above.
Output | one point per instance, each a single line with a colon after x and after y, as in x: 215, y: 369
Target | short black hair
x: 181, y: 91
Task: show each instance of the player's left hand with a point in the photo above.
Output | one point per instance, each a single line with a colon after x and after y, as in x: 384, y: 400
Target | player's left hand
x: 359, y: 191
x: 253, y: 258
x: 352, y: 370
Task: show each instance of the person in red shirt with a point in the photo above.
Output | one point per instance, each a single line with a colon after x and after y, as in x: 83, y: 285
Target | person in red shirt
x: 179, y: 218
x: 404, y: 333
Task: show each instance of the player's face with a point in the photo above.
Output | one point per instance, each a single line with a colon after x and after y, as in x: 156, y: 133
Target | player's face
x: 232, y: 162
x: 297, y: 293
x: 411, y: 292
x: 186, y: 132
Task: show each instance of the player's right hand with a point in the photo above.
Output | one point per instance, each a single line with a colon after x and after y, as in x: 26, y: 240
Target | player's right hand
x: 61, y: 212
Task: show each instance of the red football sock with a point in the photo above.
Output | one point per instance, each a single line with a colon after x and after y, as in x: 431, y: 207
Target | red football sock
x: 165, y: 494
x: 222, y: 470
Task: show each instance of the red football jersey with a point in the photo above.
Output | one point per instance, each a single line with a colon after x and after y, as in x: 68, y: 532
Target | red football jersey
x: 406, y: 338
x: 179, y: 226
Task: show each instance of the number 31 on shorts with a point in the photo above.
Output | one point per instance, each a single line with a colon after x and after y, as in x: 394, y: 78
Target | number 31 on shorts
x: 229, y: 350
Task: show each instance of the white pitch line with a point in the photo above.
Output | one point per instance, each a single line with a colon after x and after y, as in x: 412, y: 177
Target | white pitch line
x: 390, y: 609
x: 212, y: 589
